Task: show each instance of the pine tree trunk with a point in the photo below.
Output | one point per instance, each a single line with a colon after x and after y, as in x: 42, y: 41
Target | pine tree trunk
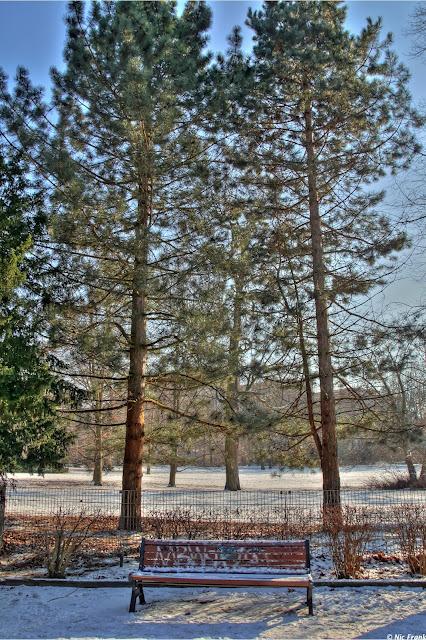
x: 422, y: 475
x: 148, y: 458
x: 232, y: 477
x: 135, y: 421
x: 174, y: 443
x: 97, y: 470
x: 2, y: 512
x: 330, y: 466
x: 172, y: 474
x: 412, y: 474
x: 232, y: 482
x: 306, y: 371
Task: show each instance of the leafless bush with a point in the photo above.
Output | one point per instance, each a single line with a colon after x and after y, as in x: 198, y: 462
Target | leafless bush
x: 297, y: 522
x: 348, y: 532
x: 411, y: 532
x: 395, y: 481
x: 180, y: 522
x: 69, y: 533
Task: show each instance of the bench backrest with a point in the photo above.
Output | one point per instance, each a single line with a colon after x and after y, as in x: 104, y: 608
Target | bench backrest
x: 280, y: 556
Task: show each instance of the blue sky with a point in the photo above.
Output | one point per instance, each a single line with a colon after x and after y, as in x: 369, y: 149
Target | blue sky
x: 32, y: 34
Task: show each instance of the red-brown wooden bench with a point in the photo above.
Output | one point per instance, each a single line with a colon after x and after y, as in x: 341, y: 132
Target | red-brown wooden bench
x: 225, y: 563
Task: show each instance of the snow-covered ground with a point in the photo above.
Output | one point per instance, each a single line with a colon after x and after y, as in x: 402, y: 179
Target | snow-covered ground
x: 48, y: 612
x: 214, y: 477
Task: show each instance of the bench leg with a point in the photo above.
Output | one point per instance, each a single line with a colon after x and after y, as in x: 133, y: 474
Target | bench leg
x: 133, y: 597
x: 141, y: 595
x: 309, y: 600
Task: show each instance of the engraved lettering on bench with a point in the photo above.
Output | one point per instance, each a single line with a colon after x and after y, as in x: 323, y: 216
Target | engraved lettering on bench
x: 224, y: 555
x: 228, y: 553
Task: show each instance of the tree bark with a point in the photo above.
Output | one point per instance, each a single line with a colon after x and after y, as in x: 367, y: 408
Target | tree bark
x: 148, y: 455
x: 232, y: 476
x: 2, y: 512
x: 174, y: 443
x: 422, y: 475
x: 98, y: 467
x: 232, y: 482
x: 305, y: 361
x: 172, y: 474
x: 135, y: 420
x: 412, y: 474
x: 330, y: 465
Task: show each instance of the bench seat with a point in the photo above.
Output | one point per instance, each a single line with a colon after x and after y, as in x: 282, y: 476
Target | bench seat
x: 150, y: 578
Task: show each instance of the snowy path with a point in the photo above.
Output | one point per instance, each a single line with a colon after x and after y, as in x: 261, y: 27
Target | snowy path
x: 47, y: 612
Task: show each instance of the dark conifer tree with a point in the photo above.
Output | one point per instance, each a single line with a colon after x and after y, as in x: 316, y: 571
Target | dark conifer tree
x: 31, y: 434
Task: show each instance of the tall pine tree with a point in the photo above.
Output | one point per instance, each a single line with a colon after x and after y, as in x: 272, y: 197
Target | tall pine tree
x: 124, y: 159
x: 329, y: 114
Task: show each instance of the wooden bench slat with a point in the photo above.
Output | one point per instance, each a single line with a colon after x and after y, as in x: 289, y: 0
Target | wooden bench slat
x: 220, y: 554
x: 228, y: 552
x: 203, y: 555
x: 223, y: 581
x: 221, y: 543
x: 158, y: 562
x: 225, y: 543
x: 223, y: 563
x: 279, y: 554
x: 158, y: 559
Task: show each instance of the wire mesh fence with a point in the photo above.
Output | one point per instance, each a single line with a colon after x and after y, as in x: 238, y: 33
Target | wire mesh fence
x: 263, y: 504
x: 115, y: 520
x: 274, y: 506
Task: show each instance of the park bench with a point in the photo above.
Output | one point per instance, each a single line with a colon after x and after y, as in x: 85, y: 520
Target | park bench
x: 225, y: 563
